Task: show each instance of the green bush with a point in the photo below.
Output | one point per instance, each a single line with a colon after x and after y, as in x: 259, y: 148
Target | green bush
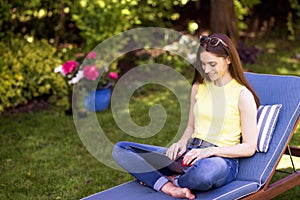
x: 98, y: 20
x: 27, y: 72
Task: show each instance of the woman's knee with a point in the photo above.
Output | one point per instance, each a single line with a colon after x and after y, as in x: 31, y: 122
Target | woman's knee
x: 205, y: 174
x: 119, y: 148
x: 197, y: 180
x: 122, y: 144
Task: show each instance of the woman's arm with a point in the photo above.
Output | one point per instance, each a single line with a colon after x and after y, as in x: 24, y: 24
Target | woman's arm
x: 248, y: 113
x: 190, y: 126
x: 179, y: 148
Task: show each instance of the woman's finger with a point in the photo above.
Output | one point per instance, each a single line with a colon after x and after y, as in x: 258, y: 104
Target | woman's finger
x: 181, y: 151
x: 172, y: 152
x: 187, y: 158
x: 175, y: 152
x: 190, y: 157
x: 193, y: 162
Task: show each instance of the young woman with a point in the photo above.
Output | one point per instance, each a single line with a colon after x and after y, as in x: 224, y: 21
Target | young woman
x: 221, y: 127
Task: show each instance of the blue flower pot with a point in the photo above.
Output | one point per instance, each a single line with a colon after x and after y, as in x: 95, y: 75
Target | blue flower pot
x: 100, y: 102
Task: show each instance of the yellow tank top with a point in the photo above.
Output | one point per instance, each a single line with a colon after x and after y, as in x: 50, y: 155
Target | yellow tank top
x: 216, y: 113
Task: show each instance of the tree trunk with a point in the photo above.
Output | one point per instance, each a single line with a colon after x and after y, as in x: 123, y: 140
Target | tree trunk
x: 223, y: 19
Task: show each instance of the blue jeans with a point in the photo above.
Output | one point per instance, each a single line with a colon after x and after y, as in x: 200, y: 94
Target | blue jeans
x: 205, y: 174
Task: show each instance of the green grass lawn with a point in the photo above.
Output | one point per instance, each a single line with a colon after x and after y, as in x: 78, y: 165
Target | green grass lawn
x: 42, y: 156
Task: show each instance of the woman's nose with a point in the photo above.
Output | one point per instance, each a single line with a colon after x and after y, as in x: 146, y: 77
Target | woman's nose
x: 207, y: 69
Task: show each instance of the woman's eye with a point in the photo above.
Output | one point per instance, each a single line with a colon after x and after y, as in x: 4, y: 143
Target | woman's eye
x: 213, y: 64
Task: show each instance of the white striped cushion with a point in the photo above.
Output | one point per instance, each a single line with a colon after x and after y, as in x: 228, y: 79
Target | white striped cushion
x: 266, y: 121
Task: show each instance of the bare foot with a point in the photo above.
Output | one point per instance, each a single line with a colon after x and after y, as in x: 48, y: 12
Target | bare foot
x: 178, y: 192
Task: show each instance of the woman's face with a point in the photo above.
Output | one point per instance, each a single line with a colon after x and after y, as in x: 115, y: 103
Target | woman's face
x: 215, y: 67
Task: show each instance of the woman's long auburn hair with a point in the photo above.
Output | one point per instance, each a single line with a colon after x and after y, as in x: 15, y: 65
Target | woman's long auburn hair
x: 235, y: 66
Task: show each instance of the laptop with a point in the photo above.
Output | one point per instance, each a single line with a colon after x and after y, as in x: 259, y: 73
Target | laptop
x: 159, y: 160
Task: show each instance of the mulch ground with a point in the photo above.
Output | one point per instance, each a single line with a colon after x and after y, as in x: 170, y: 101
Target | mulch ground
x: 32, y: 106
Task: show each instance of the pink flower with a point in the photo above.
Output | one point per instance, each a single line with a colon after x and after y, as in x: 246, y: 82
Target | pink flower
x: 92, y: 55
x: 90, y: 72
x: 113, y: 75
x: 69, y: 67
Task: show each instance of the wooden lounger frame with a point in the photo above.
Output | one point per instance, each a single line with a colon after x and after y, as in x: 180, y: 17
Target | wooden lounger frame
x: 269, y: 191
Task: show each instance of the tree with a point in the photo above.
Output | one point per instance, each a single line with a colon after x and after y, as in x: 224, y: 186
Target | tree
x: 223, y: 18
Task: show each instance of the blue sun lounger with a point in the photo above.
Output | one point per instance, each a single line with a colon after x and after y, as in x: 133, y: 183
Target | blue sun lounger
x: 255, y: 173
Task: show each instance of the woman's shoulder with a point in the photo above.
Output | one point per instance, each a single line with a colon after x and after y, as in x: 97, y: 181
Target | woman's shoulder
x: 195, y: 88
x: 246, y: 97
x: 236, y: 84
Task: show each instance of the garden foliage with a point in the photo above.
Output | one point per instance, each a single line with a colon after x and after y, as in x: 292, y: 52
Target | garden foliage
x: 37, y: 36
x: 26, y: 72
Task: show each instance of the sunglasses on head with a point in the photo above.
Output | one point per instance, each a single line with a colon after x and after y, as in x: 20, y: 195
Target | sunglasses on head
x: 212, y: 41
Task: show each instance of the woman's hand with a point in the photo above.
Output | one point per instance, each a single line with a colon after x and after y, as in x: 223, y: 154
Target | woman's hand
x: 194, y: 155
x: 176, y: 150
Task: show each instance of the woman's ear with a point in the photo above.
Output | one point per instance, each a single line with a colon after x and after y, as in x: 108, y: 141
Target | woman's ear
x: 228, y: 60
